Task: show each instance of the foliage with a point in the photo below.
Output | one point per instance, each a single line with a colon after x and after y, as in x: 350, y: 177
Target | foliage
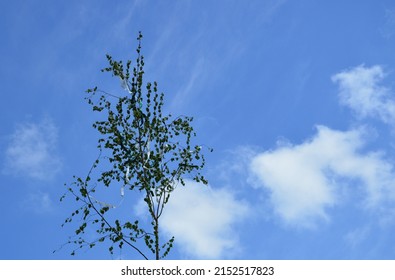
x: 142, y: 150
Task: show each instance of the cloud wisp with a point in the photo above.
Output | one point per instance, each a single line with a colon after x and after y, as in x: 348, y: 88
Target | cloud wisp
x: 360, y: 89
x: 32, y: 151
x: 387, y: 29
x: 38, y: 202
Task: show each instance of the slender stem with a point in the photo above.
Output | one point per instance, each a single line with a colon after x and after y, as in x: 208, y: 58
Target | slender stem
x: 115, y: 231
x: 156, y: 233
x: 105, y: 220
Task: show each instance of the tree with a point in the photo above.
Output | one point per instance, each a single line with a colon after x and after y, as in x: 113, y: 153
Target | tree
x: 142, y: 151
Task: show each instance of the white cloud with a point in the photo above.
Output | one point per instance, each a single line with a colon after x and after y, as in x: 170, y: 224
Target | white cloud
x: 304, y: 180
x: 233, y: 170
x: 31, y: 151
x: 202, y: 219
x: 360, y: 90
x: 357, y: 236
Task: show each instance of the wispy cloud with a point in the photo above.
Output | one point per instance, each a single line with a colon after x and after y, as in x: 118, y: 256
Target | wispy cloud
x: 188, y: 88
x: 272, y: 7
x: 361, y: 90
x: 357, y: 236
x: 38, y: 202
x: 203, y: 220
x: 32, y: 151
x: 388, y: 28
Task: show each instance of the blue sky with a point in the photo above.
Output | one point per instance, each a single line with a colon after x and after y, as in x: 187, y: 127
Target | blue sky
x: 297, y: 98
